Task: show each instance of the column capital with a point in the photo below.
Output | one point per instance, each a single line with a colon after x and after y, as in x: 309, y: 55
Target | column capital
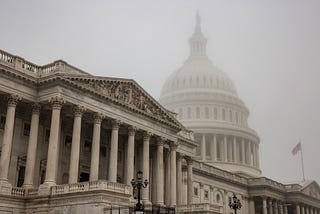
x: 146, y: 135
x: 161, y: 140
x: 115, y: 124
x: 132, y: 130
x: 173, y: 145
x: 36, y: 108
x: 57, y: 102
x: 13, y: 100
x: 189, y: 160
x: 97, y: 118
x: 78, y: 110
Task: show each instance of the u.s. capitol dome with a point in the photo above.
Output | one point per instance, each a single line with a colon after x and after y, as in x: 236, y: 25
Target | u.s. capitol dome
x: 206, y: 101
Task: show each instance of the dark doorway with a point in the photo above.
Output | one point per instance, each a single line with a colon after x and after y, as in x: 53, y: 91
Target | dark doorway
x: 21, y: 176
x: 84, y: 177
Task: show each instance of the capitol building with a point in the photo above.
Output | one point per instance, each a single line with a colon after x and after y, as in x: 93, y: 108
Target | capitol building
x: 72, y: 142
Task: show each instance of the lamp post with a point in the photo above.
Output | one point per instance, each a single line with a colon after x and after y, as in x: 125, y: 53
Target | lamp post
x: 139, y: 184
x: 235, y: 203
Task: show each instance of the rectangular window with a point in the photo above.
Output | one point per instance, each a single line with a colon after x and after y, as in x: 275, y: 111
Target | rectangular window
x: 2, y: 121
x: 230, y: 112
x: 223, y: 114
x: 103, y: 151
x: 215, y: 112
x: 68, y: 141
x: 21, y: 176
x: 207, y: 113
x: 195, y: 191
x: 26, y: 129
x: 206, y: 194
x: 87, y: 146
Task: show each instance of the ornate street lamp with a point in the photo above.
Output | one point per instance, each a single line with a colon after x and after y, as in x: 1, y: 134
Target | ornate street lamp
x: 235, y: 204
x: 139, y: 184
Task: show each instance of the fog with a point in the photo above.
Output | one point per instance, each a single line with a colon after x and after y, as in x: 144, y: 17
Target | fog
x: 270, y: 49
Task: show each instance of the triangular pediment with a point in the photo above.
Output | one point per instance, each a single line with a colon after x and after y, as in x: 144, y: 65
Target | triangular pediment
x: 312, y: 189
x: 127, y: 93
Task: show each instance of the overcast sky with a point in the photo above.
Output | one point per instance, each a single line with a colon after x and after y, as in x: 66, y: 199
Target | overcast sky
x: 270, y: 49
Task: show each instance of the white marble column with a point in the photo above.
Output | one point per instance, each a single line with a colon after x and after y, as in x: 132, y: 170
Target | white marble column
x: 243, y: 151
x: 32, y: 147
x: 307, y: 210
x: 167, y: 185
x: 130, y: 155
x: 285, y: 210
x: 7, y: 143
x: 113, y: 163
x: 254, y: 155
x: 95, y: 150
x: 225, y: 149
x: 264, y: 205
x: 145, y: 166
x: 213, y: 147
x: 173, y: 174
x: 257, y: 156
x: 189, y: 182
x: 235, y: 157
x: 203, y: 147
x: 248, y: 153
x: 53, y: 148
x: 179, y: 179
x: 270, y: 206
x: 159, y: 172
x: 75, y: 147
x: 311, y: 210
x: 297, y: 209
x: 302, y: 209
x: 251, y: 206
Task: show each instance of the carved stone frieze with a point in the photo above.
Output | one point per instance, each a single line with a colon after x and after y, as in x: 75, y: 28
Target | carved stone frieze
x: 126, y: 93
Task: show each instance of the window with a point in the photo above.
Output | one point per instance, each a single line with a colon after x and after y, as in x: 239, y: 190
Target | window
x: 87, y: 146
x: 26, y: 129
x: 195, y: 191
x: 218, y: 198
x: 21, y: 176
x: 68, y: 141
x: 103, y: 151
x: 46, y: 135
x: 230, y: 113
x: 198, y: 112
x: 2, y: 121
x: 206, y: 194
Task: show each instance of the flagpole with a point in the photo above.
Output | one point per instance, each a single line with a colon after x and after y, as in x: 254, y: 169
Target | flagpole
x: 302, y: 164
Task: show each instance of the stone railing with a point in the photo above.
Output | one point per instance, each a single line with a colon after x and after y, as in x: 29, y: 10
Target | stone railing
x: 262, y: 181
x: 219, y: 172
x: 22, y: 192
x: 89, y: 186
x: 32, y: 69
x: 203, y: 207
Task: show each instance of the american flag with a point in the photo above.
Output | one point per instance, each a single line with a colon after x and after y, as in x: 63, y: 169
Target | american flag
x: 296, y: 149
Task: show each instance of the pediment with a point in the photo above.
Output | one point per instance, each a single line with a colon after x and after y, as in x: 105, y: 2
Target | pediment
x: 312, y: 189
x: 127, y: 93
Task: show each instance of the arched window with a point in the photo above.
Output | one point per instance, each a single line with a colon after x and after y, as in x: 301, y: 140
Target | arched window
x: 230, y: 113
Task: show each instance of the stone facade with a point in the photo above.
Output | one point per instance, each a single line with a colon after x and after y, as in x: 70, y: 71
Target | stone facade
x: 71, y: 142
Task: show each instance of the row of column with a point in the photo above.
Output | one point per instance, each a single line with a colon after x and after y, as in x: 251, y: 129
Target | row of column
x: 271, y: 206
x: 305, y: 209
x: 245, y: 152
x: 53, y: 153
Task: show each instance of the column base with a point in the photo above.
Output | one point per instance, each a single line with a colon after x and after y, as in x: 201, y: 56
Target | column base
x: 5, y: 187
x: 45, y: 188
